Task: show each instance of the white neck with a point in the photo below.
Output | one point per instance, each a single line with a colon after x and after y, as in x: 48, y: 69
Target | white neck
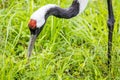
x: 39, y: 15
x: 83, y: 4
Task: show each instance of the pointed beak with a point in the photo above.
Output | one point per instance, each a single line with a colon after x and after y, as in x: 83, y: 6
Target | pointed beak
x: 34, y: 34
x: 31, y: 44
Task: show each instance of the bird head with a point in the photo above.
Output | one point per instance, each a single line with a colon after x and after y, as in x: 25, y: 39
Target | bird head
x: 35, y: 27
x: 36, y: 23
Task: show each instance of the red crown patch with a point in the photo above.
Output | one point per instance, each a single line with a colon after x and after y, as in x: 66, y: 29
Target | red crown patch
x: 32, y: 24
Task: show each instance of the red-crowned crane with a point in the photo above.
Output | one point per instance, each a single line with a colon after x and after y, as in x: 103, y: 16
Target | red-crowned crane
x: 39, y: 17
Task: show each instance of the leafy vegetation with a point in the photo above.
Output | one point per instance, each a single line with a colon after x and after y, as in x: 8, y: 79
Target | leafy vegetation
x: 74, y: 49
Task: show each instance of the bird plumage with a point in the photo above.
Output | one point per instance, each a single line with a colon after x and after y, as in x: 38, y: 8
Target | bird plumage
x: 39, y: 17
x: 44, y: 12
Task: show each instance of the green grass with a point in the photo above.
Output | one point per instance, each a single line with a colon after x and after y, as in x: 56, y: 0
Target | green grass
x: 74, y: 49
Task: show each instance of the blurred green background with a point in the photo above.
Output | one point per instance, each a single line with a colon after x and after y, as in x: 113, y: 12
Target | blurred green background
x: 74, y: 49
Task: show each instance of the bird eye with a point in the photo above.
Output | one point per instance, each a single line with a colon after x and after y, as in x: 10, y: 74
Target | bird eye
x: 32, y: 24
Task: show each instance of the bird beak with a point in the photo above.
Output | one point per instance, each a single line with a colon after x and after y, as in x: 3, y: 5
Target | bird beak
x: 31, y: 44
x: 34, y: 35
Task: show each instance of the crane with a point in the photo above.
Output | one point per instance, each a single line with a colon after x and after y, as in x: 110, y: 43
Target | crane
x: 39, y: 18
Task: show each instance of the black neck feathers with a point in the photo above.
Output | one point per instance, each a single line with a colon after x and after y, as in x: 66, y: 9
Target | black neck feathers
x: 67, y: 13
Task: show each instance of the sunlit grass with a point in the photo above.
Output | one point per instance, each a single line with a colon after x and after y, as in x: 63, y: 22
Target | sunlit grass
x: 74, y: 49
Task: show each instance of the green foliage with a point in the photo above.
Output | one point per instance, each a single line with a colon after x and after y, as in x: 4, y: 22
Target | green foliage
x: 74, y: 49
